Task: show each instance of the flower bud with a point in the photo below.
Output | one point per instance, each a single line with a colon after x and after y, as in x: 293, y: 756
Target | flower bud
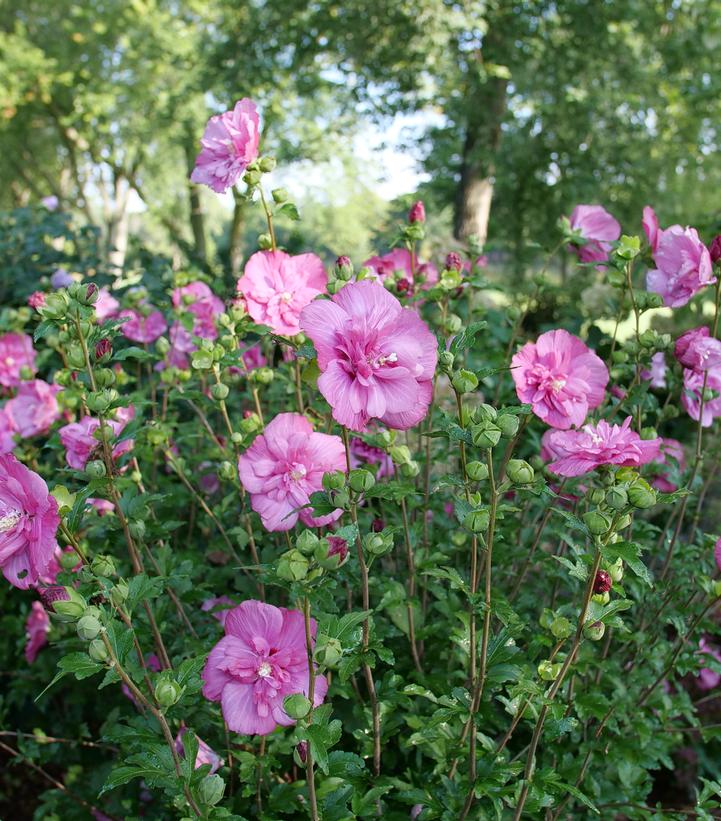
x: 508, y: 424
x: 453, y: 261
x: 597, y: 522
x: 103, y: 565
x: 307, y: 542
x: 300, y: 753
x: 477, y: 471
x: 263, y: 376
x: 103, y: 350
x: 279, y: 195
x: 603, y: 582
x: 119, y: 594
x: 404, y: 286
x: 328, y: 651
x: 520, y: 472
x: 641, y: 495
x: 601, y: 598
x: 486, y: 435
x: 75, y: 357
x: 445, y: 361
x: 344, y: 268
x: 98, y: 651
x: 561, y: 627
x: 594, y: 631
x: 211, y: 789
x: 219, y: 392
x: 378, y: 525
x: 400, y: 454
x: 417, y: 212
x: 296, y: 705
x: 55, y: 307
x: 484, y: 413
x: 453, y: 323
x: 267, y: 164
x: 95, y: 469
x: 477, y: 521
x: 292, y: 566
x: 251, y: 176
x: 361, y: 480
x: 64, y: 601
x: 548, y: 670
x: 101, y: 401
x: 334, y: 480
x: 167, y: 692
x: 377, y: 543
x: 88, y: 627
x: 409, y: 470
x: 616, y: 498
x: 615, y: 571
x: 331, y: 552
x: 137, y: 528
x: 464, y: 381
x: 714, y: 248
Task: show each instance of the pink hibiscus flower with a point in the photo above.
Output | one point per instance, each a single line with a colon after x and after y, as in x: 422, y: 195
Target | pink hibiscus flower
x: 656, y: 374
x: 364, y: 454
x: 707, y: 678
x: 377, y: 359
x: 37, y: 627
x: 560, y: 377
x: 28, y: 523
x: 260, y: 660
x: 80, y: 444
x: 683, y: 266
x: 581, y: 451
x: 229, y: 144
x: 34, y: 408
x: 199, y: 300
x: 205, y: 755
x: 693, y: 385
x: 698, y: 350
x: 106, y: 305
x: 399, y: 262
x: 143, y: 328
x: 277, y: 287
x: 598, y: 228
x: 16, y: 353
x: 284, y: 465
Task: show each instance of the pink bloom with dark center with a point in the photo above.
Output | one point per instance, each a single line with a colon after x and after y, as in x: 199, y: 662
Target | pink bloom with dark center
x: 229, y: 144
x: 707, y: 678
x: 598, y: 228
x: 284, y: 465
x: 205, y: 755
x: 36, y: 631
x: 560, y: 377
x: 80, y: 444
x: 581, y: 451
x: 694, y: 383
x: 671, y: 451
x: 260, y: 660
x: 16, y: 353
x: 106, y: 306
x: 656, y: 374
x: 698, y: 350
x: 34, y: 408
x: 683, y: 266
x: 28, y: 523
x: 199, y: 300
x: 377, y: 359
x: 36, y: 299
x: 364, y: 454
x: 277, y: 287
x: 218, y: 612
x: 142, y: 328
x: 651, y: 227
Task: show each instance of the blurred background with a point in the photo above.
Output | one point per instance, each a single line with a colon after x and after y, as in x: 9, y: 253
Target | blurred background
x: 500, y: 115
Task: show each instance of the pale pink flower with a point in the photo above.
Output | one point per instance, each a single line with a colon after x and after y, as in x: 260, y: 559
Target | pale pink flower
x: 399, y: 262
x: 670, y: 449
x: 205, y: 755
x: 260, y: 660
x: 362, y: 454
x: 7, y: 432
x: 50, y: 202
x: 581, y: 451
x: 377, y: 359
x: 698, y: 350
x: 37, y: 627
x: 284, y: 465
x: 656, y: 374
x: 106, y: 306
x: 28, y: 523
x: 598, y: 228
x: 683, y: 266
x: 693, y: 385
x: 216, y: 611
x: 228, y: 145
x: 16, y: 353
x: 36, y: 299
x: 707, y: 678
x: 651, y: 227
x: 199, y: 300
x: 34, y: 408
x: 560, y: 377
x: 277, y: 287
x: 80, y: 444
x: 142, y: 328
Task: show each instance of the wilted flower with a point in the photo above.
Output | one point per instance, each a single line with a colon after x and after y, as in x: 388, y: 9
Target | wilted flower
x: 377, y: 359
x: 284, y: 465
x: 260, y: 660
x: 598, y: 228
x: 34, y: 408
x: 560, y: 378
x: 581, y: 451
x: 229, y: 144
x: 142, y: 328
x: 16, y: 353
x: 683, y: 266
x: 36, y: 631
x: 277, y: 287
x: 28, y: 523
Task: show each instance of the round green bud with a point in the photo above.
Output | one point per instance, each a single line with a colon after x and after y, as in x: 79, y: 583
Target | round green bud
x: 137, y: 528
x: 71, y: 608
x: 400, y: 454
x: 595, y: 496
x: 88, y: 627
x: 508, y: 424
x: 484, y: 413
x: 477, y: 521
x: 95, y: 469
x: 615, y: 571
x: 265, y: 242
x: 445, y: 361
x: 485, y: 436
x: 104, y: 377
x: 119, y: 594
x: 377, y: 544
x: 211, y: 790
x: 98, y: 651
x: 520, y: 472
x: 162, y: 345
x: 226, y: 470
x: 292, y: 566
x: 464, y: 381
x: 641, y: 495
x: 201, y: 360
x: 361, y: 480
x: 167, y: 692
x: 219, y: 392
x: 561, y: 627
x: 307, y: 542
x: 296, y: 705
x: 477, y: 471
x: 266, y: 164
x: 548, y: 670
x: 279, y: 195
x: 103, y: 565
x: 597, y: 523
x: 410, y: 470
x: 251, y: 176
x: 334, y: 480
x: 601, y: 598
x: 594, y: 630
x: 263, y: 376
x: 328, y: 651
x: 616, y: 498
x: 75, y: 357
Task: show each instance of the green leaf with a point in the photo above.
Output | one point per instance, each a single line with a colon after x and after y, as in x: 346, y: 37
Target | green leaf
x: 630, y: 553
x: 290, y: 209
x: 466, y: 337
x: 133, y: 352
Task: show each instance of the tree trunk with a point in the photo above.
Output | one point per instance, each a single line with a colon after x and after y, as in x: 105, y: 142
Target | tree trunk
x: 235, y: 243
x: 118, y: 225
x: 197, y: 215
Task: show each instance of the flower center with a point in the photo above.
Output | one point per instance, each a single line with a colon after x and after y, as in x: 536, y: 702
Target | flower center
x: 297, y: 472
x: 558, y: 383
x: 9, y: 360
x: 264, y: 670
x: 286, y: 297
x: 9, y: 520
x: 596, y: 439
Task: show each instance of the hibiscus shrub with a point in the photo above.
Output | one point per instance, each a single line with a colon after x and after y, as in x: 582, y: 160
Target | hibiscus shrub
x: 384, y: 541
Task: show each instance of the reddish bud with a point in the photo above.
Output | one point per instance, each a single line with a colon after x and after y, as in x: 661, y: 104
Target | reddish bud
x: 417, y: 212
x: 454, y: 261
x: 103, y: 349
x: 51, y: 594
x: 715, y: 248
x: 602, y: 583
x: 377, y: 525
x: 342, y: 261
x: 302, y: 750
x: 404, y: 286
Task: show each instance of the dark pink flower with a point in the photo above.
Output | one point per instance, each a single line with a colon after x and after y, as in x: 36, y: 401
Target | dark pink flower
x: 205, y: 755
x: 581, y: 451
x: 364, y: 454
x: 34, y: 408
x: 670, y: 449
x: 717, y: 554
x: 141, y: 327
x: 651, y: 227
x: 399, y: 263
x: 693, y: 387
x: 683, y: 266
x: 36, y: 631
x: 36, y: 299
x: 106, y: 305
x: 560, y: 378
x: 284, y: 465
x: 80, y: 444
x: 229, y: 144
x: 598, y: 228
x: 199, y: 300
x: 181, y: 344
x: 28, y: 523
x: 16, y: 353
x: 417, y: 212
x: 260, y: 660
x: 277, y: 287
x: 377, y: 359
x: 253, y: 357
x: 698, y: 350
x: 218, y: 612
x: 656, y: 375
